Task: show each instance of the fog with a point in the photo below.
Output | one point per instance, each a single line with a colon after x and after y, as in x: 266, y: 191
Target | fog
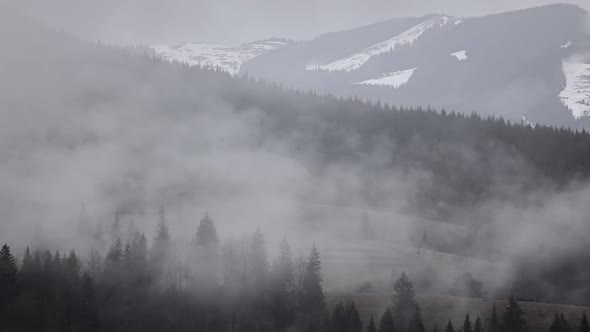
x: 114, y: 143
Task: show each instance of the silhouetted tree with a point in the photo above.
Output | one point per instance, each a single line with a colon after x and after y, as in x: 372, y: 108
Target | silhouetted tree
x: 467, y: 326
x: 371, y: 326
x: 387, y: 324
x: 404, y: 302
x: 513, y: 317
x: 450, y: 327
x: 8, y: 275
x: 584, y: 326
x: 417, y: 325
x: 478, y: 327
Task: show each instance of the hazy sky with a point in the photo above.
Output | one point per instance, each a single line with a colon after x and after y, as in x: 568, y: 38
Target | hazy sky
x: 231, y: 21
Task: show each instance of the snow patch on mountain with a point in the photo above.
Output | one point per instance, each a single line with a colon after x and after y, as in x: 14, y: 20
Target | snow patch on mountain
x: 395, y: 79
x: 227, y: 58
x: 576, y: 93
x: 461, y: 55
x: 407, y: 37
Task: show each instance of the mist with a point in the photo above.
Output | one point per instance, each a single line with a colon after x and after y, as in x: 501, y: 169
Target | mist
x: 94, y: 135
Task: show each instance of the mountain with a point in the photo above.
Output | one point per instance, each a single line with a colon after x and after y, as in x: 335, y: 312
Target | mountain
x: 529, y: 64
x: 227, y: 58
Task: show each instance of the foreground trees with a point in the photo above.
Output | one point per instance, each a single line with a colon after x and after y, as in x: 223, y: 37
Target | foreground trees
x: 131, y: 290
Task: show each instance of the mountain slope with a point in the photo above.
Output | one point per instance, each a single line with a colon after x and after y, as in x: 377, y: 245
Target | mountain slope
x: 530, y: 63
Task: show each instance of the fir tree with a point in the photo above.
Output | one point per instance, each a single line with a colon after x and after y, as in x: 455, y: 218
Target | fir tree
x: 206, y: 233
x: 8, y: 275
x: 387, y: 324
x: 404, y: 301
x: 89, y: 321
x: 584, y: 326
x: 258, y: 261
x: 478, y: 327
x: 417, y: 325
x: 355, y: 324
x: 313, y: 302
x: 450, y: 327
x: 313, y: 292
x: 467, y: 327
x: 556, y: 324
x: 371, y: 326
x: 513, y: 317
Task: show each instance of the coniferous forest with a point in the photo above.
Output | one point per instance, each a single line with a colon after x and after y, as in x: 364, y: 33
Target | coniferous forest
x: 121, y: 130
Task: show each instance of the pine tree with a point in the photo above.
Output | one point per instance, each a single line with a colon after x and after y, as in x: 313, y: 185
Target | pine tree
x: 494, y: 322
x: 88, y: 320
x: 313, y: 292
x: 283, y: 286
x: 417, y: 324
x: 72, y: 264
x: 556, y: 324
x: 513, y: 317
x: 435, y: 329
x: 115, y: 254
x: 313, y: 303
x: 206, y: 233
x: 478, y: 327
x: 387, y: 324
x: 258, y: 261
x: 27, y: 265
x: 467, y: 327
x: 584, y: 326
x: 404, y: 301
x: 355, y: 324
x: 339, y: 318
x: 450, y: 327
x: 371, y: 326
x: 8, y: 275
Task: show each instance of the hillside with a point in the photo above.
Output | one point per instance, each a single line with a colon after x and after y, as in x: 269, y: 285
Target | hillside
x: 438, y: 309
x: 529, y: 64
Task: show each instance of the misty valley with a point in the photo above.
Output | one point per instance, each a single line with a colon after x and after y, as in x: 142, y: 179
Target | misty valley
x: 195, y: 187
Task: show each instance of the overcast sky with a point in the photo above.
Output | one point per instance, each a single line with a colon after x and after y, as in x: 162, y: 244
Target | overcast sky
x: 233, y: 21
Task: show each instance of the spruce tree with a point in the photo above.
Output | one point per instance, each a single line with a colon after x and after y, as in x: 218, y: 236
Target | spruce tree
x: 207, y: 234
x: 371, y: 326
x: 467, y: 327
x: 404, y: 301
x: 313, y: 303
x: 387, y: 324
x: 258, y: 261
x: 584, y: 326
x: 313, y: 297
x: 417, y: 325
x: 556, y: 324
x: 513, y: 317
x: 339, y: 318
x: 88, y: 312
x: 450, y: 327
x: 355, y: 324
x: 478, y: 327
x: 8, y: 275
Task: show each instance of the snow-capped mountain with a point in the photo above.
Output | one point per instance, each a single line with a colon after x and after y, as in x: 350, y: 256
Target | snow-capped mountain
x: 228, y: 58
x: 532, y: 63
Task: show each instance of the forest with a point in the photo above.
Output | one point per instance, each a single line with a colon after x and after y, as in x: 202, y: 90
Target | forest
x: 214, y: 287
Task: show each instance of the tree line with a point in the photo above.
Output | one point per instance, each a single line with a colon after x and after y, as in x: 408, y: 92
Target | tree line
x: 229, y: 287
